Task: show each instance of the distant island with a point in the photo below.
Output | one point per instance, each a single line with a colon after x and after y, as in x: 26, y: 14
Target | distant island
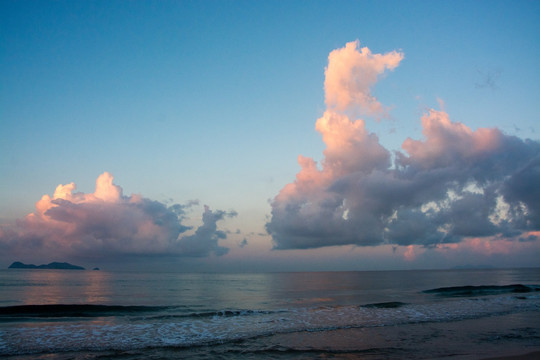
x: 53, y: 265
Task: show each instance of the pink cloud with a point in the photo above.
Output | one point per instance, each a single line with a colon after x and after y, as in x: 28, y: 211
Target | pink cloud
x: 493, y: 245
x: 350, y: 75
x: 446, y: 140
x: 349, y: 145
x: 106, y: 223
x: 410, y: 254
x: 454, y: 184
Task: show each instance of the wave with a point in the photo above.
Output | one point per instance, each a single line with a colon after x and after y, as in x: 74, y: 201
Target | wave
x: 220, y: 313
x: 385, y: 305
x: 482, y: 290
x: 24, y: 312
x: 74, y: 310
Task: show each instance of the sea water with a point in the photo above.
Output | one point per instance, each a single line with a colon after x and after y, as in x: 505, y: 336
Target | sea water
x: 425, y: 314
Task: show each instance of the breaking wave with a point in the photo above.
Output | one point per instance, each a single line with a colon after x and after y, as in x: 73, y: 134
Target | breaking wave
x: 58, y: 311
x: 483, y: 290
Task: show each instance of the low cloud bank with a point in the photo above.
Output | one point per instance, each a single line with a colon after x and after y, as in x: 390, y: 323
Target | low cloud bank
x: 454, y: 184
x: 107, y: 223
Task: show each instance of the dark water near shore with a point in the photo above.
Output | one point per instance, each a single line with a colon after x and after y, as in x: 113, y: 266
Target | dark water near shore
x: 345, y: 315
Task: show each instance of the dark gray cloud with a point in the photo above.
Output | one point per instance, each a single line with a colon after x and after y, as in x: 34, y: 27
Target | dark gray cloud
x: 205, y: 239
x: 243, y: 243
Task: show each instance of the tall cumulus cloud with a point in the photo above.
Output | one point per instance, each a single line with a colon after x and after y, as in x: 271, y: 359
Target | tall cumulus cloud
x: 107, y: 223
x: 453, y: 184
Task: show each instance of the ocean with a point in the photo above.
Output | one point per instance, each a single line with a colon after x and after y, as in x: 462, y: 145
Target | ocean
x: 429, y: 314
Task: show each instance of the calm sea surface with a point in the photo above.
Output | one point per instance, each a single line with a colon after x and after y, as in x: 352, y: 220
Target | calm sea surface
x: 463, y: 314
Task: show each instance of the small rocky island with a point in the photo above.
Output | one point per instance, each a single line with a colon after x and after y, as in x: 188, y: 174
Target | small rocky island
x: 53, y: 265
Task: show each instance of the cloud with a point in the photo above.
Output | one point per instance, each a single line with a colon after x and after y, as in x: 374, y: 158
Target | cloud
x: 455, y: 183
x: 107, y: 223
x: 488, y: 79
x: 206, y: 237
x: 350, y: 75
x: 243, y: 243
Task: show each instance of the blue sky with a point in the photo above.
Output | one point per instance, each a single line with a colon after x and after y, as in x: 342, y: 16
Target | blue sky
x: 213, y: 101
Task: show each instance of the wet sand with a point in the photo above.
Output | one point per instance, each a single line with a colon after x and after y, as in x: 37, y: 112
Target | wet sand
x: 514, y: 336
x: 530, y: 356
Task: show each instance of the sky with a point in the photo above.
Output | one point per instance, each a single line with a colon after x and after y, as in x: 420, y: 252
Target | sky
x: 270, y: 135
